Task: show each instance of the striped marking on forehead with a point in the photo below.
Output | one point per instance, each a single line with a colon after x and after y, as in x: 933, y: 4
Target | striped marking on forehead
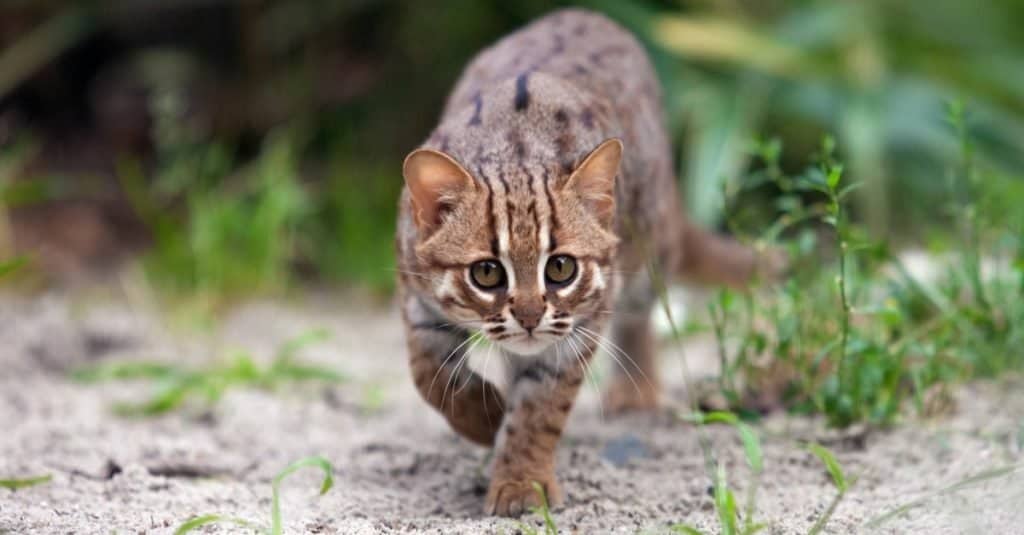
x: 531, y: 225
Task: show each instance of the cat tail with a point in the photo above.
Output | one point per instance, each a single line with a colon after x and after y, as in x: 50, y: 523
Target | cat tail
x: 713, y: 259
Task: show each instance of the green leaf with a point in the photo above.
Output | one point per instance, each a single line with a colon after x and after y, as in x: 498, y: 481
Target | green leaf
x: 831, y: 464
x: 9, y: 267
x: 124, y: 370
x: 754, y: 528
x: 716, y: 417
x: 725, y: 503
x: 293, y: 346
x: 751, y: 443
x: 835, y: 173
x: 685, y: 529
x: 751, y: 447
x: 549, y: 523
x: 204, y: 520
x: 843, y: 193
x: 15, y: 484
x: 275, y: 506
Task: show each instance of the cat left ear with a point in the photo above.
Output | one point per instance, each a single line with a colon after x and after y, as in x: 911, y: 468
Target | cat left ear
x: 594, y: 179
x: 436, y: 182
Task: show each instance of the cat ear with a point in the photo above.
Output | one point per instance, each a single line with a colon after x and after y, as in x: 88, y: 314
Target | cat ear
x: 594, y: 179
x: 435, y: 182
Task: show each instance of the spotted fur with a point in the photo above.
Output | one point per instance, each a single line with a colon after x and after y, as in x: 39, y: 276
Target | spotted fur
x: 514, y: 173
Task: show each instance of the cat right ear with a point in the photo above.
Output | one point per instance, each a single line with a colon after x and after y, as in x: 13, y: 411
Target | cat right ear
x: 436, y: 182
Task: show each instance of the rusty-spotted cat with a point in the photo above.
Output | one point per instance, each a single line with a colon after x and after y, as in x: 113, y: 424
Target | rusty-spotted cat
x: 529, y: 218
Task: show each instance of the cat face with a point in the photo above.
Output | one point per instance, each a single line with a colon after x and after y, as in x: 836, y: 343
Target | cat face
x: 525, y: 258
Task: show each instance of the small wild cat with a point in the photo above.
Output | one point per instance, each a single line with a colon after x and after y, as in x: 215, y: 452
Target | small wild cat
x: 530, y: 217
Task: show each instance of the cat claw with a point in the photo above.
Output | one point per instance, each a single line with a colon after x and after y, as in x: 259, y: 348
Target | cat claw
x: 513, y: 498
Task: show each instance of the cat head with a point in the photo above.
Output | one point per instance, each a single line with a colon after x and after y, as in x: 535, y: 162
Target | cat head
x: 524, y: 257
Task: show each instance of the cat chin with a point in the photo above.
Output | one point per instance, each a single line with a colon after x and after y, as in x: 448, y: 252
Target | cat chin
x: 526, y: 347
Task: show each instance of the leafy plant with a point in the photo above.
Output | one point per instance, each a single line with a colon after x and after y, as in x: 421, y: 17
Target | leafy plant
x: 857, y: 340
x: 175, y: 386
x: 276, y: 522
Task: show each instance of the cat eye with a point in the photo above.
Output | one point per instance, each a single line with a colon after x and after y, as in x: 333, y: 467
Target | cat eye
x: 487, y: 274
x: 560, y: 269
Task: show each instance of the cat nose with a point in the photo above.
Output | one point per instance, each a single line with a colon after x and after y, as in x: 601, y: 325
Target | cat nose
x: 529, y: 315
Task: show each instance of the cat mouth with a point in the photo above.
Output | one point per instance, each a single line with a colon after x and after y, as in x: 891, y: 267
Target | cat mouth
x: 527, y: 344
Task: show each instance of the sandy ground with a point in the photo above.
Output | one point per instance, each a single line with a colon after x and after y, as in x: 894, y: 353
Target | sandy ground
x: 398, y: 467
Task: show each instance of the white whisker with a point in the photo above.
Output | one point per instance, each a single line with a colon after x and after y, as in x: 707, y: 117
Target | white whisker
x: 615, y: 352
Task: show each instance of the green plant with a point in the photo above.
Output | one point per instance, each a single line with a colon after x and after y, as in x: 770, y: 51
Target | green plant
x: 11, y: 267
x: 175, y: 386
x: 859, y: 342
x: 348, y: 236
x: 276, y: 525
x: 839, y: 479
x: 724, y: 498
x: 550, y: 528
x: 21, y: 483
x: 239, y: 234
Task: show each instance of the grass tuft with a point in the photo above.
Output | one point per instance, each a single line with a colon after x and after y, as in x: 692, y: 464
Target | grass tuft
x: 174, y: 386
x: 276, y: 521
x: 725, y: 500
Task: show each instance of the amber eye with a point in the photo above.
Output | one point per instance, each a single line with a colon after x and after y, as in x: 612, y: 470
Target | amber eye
x: 560, y: 269
x: 487, y: 274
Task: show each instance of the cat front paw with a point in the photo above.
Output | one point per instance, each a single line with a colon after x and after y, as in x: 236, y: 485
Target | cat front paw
x: 513, y: 497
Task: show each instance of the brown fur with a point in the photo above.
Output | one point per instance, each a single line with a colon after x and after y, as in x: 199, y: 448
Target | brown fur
x: 552, y: 143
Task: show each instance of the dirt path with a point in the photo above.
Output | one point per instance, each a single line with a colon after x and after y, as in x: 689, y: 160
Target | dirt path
x: 399, y: 469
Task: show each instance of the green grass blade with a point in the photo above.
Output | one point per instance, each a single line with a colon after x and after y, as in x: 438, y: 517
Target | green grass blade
x: 831, y: 464
x: 204, y: 520
x: 685, y: 530
x: 964, y: 483
x: 549, y: 523
x: 751, y: 447
x: 840, y: 480
x: 317, y: 462
x: 725, y: 503
x: 751, y: 443
x: 10, y: 267
x: 124, y: 371
x: 754, y: 528
x: 293, y: 346
x: 168, y: 398
x: 716, y: 417
x: 15, y: 484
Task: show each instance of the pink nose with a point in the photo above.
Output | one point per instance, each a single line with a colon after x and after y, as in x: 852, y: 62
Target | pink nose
x: 529, y: 315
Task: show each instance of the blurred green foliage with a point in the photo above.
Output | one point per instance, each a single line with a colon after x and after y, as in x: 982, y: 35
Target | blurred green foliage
x: 293, y: 170
x: 175, y: 386
x: 856, y: 337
